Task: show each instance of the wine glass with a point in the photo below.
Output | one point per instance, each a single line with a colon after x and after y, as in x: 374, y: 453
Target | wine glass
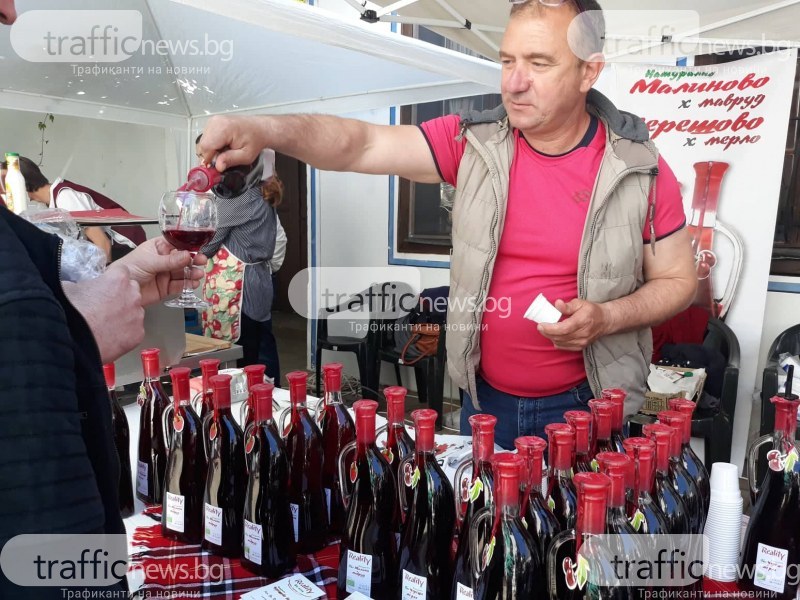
x: 188, y: 221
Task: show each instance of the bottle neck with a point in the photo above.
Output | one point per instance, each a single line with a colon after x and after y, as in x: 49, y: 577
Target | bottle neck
x: 591, y: 518
x: 482, y: 446
x: 334, y: 398
x: 644, y: 475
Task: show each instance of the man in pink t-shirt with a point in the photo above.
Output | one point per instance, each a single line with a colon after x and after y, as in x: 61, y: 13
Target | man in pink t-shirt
x: 522, y: 232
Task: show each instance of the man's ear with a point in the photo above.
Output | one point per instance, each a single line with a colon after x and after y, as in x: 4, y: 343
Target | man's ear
x: 590, y: 71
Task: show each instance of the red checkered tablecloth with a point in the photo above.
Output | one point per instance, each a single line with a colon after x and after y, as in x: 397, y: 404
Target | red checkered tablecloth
x: 164, y: 568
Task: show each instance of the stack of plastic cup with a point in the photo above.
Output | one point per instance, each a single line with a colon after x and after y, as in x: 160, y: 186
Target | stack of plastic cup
x: 723, y: 529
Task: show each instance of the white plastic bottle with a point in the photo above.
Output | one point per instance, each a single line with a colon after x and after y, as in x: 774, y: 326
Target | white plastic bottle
x: 16, y: 194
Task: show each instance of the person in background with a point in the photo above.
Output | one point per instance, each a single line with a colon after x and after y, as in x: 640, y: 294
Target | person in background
x: 557, y: 192
x: 71, y: 196
x: 238, y: 281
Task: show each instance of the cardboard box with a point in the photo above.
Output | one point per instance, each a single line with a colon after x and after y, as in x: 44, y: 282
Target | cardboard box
x: 655, y: 402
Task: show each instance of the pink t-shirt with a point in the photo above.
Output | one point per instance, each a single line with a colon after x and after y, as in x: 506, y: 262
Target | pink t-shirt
x: 548, y: 201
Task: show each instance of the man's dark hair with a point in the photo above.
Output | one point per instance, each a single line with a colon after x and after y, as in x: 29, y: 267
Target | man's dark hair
x: 591, y: 22
x: 34, y: 178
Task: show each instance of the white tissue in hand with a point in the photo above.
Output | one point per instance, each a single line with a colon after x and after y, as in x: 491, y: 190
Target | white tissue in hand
x: 541, y: 311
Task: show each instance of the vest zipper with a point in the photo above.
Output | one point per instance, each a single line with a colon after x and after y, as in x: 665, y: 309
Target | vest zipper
x: 479, y: 147
x: 582, y: 283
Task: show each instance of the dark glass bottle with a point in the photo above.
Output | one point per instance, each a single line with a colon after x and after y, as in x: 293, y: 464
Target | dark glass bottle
x: 540, y: 520
x: 425, y: 567
x: 578, y: 570
x: 507, y: 565
x: 226, y: 478
x: 368, y: 560
x: 771, y: 548
x: 153, y: 400
x: 475, y: 493
x: 670, y: 502
x: 122, y: 441
x: 254, y: 375
x: 182, y: 514
x: 398, y: 443
x: 581, y: 422
x: 683, y: 481
x: 602, y: 416
x: 561, y: 496
x: 268, y: 546
x: 208, y: 368
x: 338, y: 430
x: 304, y: 446
x: 692, y: 462
x: 617, y: 397
x: 644, y: 512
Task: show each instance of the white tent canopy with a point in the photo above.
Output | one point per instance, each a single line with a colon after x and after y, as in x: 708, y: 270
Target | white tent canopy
x: 283, y: 57
x: 633, y: 26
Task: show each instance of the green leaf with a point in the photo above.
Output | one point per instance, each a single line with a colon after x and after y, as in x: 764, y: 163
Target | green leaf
x: 583, y: 571
x: 551, y: 504
x: 791, y: 460
x: 594, y: 465
x: 637, y: 520
x: 475, y: 490
x: 51, y: 117
x: 415, y: 478
x: 489, y: 552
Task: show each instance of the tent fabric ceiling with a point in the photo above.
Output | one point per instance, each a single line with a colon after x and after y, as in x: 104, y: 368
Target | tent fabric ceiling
x: 281, y: 56
x: 730, y: 20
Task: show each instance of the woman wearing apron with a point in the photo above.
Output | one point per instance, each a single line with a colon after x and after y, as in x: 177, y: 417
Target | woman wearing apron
x: 238, y: 281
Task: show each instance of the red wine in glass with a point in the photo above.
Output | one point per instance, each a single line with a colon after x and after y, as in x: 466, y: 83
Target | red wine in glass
x: 188, y: 220
x: 189, y: 239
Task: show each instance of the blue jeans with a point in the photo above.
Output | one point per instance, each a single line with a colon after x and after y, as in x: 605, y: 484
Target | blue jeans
x: 518, y: 416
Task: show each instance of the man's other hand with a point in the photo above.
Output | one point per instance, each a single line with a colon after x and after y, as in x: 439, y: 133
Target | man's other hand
x: 582, y: 323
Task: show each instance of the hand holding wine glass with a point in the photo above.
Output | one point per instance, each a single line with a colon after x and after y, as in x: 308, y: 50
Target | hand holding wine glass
x: 188, y: 221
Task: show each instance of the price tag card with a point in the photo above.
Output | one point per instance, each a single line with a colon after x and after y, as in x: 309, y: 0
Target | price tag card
x: 357, y: 596
x: 295, y: 587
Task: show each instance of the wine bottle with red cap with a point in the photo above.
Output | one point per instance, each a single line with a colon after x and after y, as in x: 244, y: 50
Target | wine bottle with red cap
x: 122, y: 441
x: 153, y: 401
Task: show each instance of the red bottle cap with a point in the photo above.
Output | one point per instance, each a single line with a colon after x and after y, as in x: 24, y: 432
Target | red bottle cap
x: 506, y: 469
x: 297, y: 386
x: 785, y: 416
x: 395, y: 404
x: 254, y: 375
x: 208, y: 368
x: 617, y: 397
x: 424, y: 425
x: 180, y: 385
x: 603, y: 413
x: 482, y: 436
x: 150, y: 363
x: 643, y: 452
x: 221, y: 384
x: 531, y: 448
x: 593, y: 490
x: 201, y: 179
x: 581, y: 421
x: 365, y: 421
x: 332, y: 373
x: 682, y: 405
x: 262, y: 399
x: 662, y: 436
x: 618, y: 467
x: 676, y: 420
x: 561, y: 440
x: 110, y: 373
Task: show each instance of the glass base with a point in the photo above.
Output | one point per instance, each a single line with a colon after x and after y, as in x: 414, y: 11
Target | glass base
x: 187, y: 301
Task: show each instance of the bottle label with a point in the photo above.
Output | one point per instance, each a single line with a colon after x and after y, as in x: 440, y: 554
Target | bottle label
x: 174, y: 509
x: 251, y: 442
x: 141, y: 478
x: 212, y: 431
x: 252, y: 542
x: 328, y: 502
x: 353, y: 472
x: 359, y: 573
x: 388, y: 454
x: 463, y: 592
x: 782, y: 462
x: 177, y: 422
x: 770, y: 568
x: 296, y: 520
x: 414, y: 587
x: 213, y: 524
x: 576, y: 575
